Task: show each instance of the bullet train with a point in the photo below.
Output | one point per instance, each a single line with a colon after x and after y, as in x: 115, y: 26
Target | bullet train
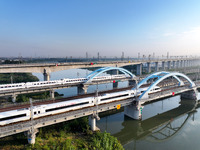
x: 54, y: 82
x: 24, y: 114
x: 38, y: 111
x: 143, y: 89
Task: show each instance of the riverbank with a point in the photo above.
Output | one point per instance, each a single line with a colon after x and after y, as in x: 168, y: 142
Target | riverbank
x: 73, y: 135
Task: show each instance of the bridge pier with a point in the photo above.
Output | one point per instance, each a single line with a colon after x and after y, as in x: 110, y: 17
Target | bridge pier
x: 193, y: 94
x: 169, y: 65
x: 14, y: 96
x: 177, y: 64
x: 82, y: 89
x: 181, y: 63
x: 46, y: 75
x: 163, y: 65
x: 134, y: 110
x: 174, y: 64
x: 31, y: 136
x: 93, y: 119
x: 52, y: 94
x: 156, y: 66
x: 139, y: 69
x: 148, y: 67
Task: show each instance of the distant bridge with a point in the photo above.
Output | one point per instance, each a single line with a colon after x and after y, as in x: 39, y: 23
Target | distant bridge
x: 47, y: 68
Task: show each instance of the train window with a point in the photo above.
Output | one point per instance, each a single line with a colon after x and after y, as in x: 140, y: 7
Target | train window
x: 63, y: 107
x: 38, y: 112
x: 12, y: 117
x: 35, y: 113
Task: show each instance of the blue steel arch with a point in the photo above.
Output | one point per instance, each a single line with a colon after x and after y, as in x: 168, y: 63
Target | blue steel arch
x: 144, y: 95
x: 102, y: 70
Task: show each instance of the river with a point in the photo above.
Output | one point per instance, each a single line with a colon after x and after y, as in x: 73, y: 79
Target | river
x: 168, y: 124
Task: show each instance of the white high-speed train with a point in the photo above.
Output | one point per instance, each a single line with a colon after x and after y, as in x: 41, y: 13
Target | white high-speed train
x: 24, y: 114
x: 54, y: 82
x: 143, y: 89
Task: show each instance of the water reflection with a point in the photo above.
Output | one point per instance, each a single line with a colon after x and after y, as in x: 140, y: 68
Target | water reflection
x: 154, y: 131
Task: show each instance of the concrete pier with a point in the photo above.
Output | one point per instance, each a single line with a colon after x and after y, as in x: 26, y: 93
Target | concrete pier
x: 82, y: 89
x: 52, y: 94
x: 156, y: 66
x: 139, y: 69
x: 169, y: 65
x: 134, y: 110
x: 174, y: 64
x: 163, y: 65
x: 14, y: 96
x: 46, y: 75
x: 92, y: 123
x: 31, y: 136
x: 192, y: 95
x: 148, y: 67
x: 177, y: 64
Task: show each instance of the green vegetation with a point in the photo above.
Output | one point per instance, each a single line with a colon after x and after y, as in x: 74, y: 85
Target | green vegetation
x: 71, y: 135
x: 7, y: 78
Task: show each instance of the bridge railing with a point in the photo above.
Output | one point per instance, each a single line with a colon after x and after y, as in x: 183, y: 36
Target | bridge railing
x: 169, y: 91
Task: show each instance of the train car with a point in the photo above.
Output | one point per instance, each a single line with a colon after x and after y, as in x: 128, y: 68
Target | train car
x: 24, y: 114
x: 12, y: 86
x: 107, y: 98
x: 56, y: 108
x: 155, y: 89
x: 14, y: 116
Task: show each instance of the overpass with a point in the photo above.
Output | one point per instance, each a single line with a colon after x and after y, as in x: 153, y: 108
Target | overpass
x: 132, y: 106
x: 47, y: 68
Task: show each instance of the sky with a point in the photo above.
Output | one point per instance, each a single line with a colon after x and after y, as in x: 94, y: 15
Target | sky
x: 65, y: 28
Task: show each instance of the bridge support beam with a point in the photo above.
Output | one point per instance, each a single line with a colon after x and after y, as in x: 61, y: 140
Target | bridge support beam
x: 134, y: 111
x: 174, y: 64
x: 46, y: 76
x: 14, y: 96
x: 163, y: 65
x: 192, y: 95
x: 93, y: 119
x: 148, y: 67
x: 31, y: 136
x: 156, y: 66
x: 82, y: 89
x: 177, y: 64
x: 181, y: 63
x: 52, y: 94
x: 139, y: 69
x: 169, y: 65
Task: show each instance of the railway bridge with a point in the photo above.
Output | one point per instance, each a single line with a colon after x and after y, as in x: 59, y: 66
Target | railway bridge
x: 132, y: 106
x: 82, y: 84
x: 47, y: 68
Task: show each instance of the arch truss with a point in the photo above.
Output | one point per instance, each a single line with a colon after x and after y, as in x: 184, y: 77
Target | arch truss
x: 98, y: 72
x: 159, y: 77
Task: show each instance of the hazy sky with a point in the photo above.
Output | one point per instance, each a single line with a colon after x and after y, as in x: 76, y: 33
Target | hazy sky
x: 60, y: 28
